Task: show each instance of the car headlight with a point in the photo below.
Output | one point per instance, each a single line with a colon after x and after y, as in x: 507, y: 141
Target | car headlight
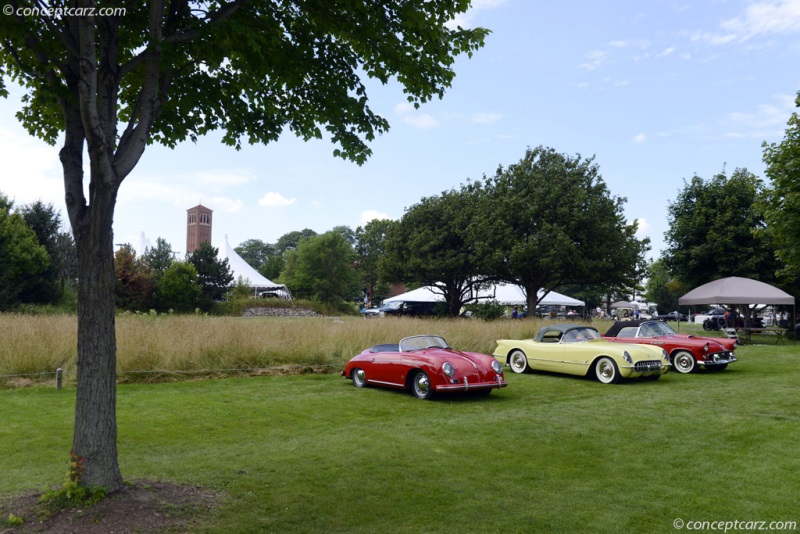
x: 665, y: 355
x: 705, y: 348
x: 627, y: 356
x: 448, y: 368
x: 496, y: 367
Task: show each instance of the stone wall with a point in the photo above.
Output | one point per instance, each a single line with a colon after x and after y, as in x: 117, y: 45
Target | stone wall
x: 280, y: 312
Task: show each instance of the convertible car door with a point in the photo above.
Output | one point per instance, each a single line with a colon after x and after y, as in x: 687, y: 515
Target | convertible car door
x: 388, y: 368
x: 545, y: 356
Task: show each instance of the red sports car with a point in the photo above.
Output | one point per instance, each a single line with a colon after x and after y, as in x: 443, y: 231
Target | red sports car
x: 425, y: 365
x: 686, y: 351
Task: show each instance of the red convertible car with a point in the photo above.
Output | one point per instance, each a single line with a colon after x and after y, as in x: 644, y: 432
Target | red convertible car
x: 425, y: 365
x: 686, y: 351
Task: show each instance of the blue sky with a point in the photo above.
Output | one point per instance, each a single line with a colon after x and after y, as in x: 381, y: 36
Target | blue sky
x: 656, y: 91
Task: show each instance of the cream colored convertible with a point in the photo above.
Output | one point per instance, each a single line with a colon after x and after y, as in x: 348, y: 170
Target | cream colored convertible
x: 580, y: 350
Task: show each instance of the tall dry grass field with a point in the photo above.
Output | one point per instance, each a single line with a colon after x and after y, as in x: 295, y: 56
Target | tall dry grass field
x: 172, y: 343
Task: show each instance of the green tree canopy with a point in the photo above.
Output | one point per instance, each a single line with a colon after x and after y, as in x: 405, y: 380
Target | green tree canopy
x: 715, y: 231
x: 255, y: 252
x: 370, y: 250
x: 290, y: 240
x: 135, y: 284
x: 178, y: 288
x: 663, y: 288
x: 781, y: 204
x: 22, y: 258
x: 550, y: 220
x: 431, y: 245
x: 159, y: 258
x: 213, y: 275
x: 165, y: 72
x: 45, y: 221
x: 322, y: 269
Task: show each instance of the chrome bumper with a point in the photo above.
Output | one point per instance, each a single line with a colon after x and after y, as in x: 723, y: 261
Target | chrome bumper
x: 720, y: 358
x: 467, y: 386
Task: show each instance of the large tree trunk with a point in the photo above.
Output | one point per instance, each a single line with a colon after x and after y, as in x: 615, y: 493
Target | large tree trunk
x: 95, y: 438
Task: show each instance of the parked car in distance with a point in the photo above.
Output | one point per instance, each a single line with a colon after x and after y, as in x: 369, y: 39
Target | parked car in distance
x: 412, y: 309
x: 671, y: 316
x: 425, y: 365
x: 580, y: 350
x: 686, y: 351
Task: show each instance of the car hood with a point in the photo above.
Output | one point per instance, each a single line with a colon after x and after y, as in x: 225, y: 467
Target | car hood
x: 462, y: 361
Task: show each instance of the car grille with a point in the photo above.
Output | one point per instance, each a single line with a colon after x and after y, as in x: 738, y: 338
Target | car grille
x: 647, y: 365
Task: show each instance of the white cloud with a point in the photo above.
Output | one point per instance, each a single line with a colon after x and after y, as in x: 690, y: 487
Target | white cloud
x: 275, y: 200
x: 780, y: 17
x: 370, y: 215
x: 403, y: 108
x: 486, y: 118
x: 760, y: 18
x: 221, y: 179
x: 766, y: 121
x: 31, y: 170
x: 229, y: 205
x: 596, y: 59
x: 640, y: 138
x: 408, y: 113
x: 465, y: 20
x: 642, y: 44
x: 423, y: 122
x: 644, y: 228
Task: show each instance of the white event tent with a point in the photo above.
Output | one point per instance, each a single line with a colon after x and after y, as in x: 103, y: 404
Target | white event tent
x: 508, y: 294
x: 252, y: 278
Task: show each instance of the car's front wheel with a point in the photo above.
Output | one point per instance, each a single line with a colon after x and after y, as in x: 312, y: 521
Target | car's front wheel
x: 359, y: 378
x: 684, y: 362
x: 518, y: 362
x: 606, y: 371
x: 421, y: 386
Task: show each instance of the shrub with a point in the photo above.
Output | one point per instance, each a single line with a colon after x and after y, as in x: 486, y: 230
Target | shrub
x: 488, y: 310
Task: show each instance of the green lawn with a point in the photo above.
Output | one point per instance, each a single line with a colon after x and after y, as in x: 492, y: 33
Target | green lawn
x: 549, y: 453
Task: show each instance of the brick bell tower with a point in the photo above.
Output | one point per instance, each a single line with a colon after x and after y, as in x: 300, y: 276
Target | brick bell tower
x: 198, y: 227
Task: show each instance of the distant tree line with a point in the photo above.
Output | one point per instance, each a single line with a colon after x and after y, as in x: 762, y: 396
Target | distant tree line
x: 547, y: 222
x: 158, y: 281
x: 543, y: 223
x: 37, y: 257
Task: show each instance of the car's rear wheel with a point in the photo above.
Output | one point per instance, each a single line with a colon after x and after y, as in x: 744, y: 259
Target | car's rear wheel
x: 518, y: 362
x: 606, y: 370
x: 421, y: 386
x: 359, y: 377
x: 684, y: 362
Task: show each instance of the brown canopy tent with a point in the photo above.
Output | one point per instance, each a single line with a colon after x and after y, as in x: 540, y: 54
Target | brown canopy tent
x: 737, y: 291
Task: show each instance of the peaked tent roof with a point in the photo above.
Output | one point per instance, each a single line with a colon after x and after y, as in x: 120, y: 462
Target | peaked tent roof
x: 239, y: 267
x: 507, y: 294
x: 736, y: 290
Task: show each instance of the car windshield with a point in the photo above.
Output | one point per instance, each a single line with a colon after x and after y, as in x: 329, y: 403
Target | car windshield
x: 578, y: 335
x: 394, y: 305
x: 422, y: 342
x: 655, y: 329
